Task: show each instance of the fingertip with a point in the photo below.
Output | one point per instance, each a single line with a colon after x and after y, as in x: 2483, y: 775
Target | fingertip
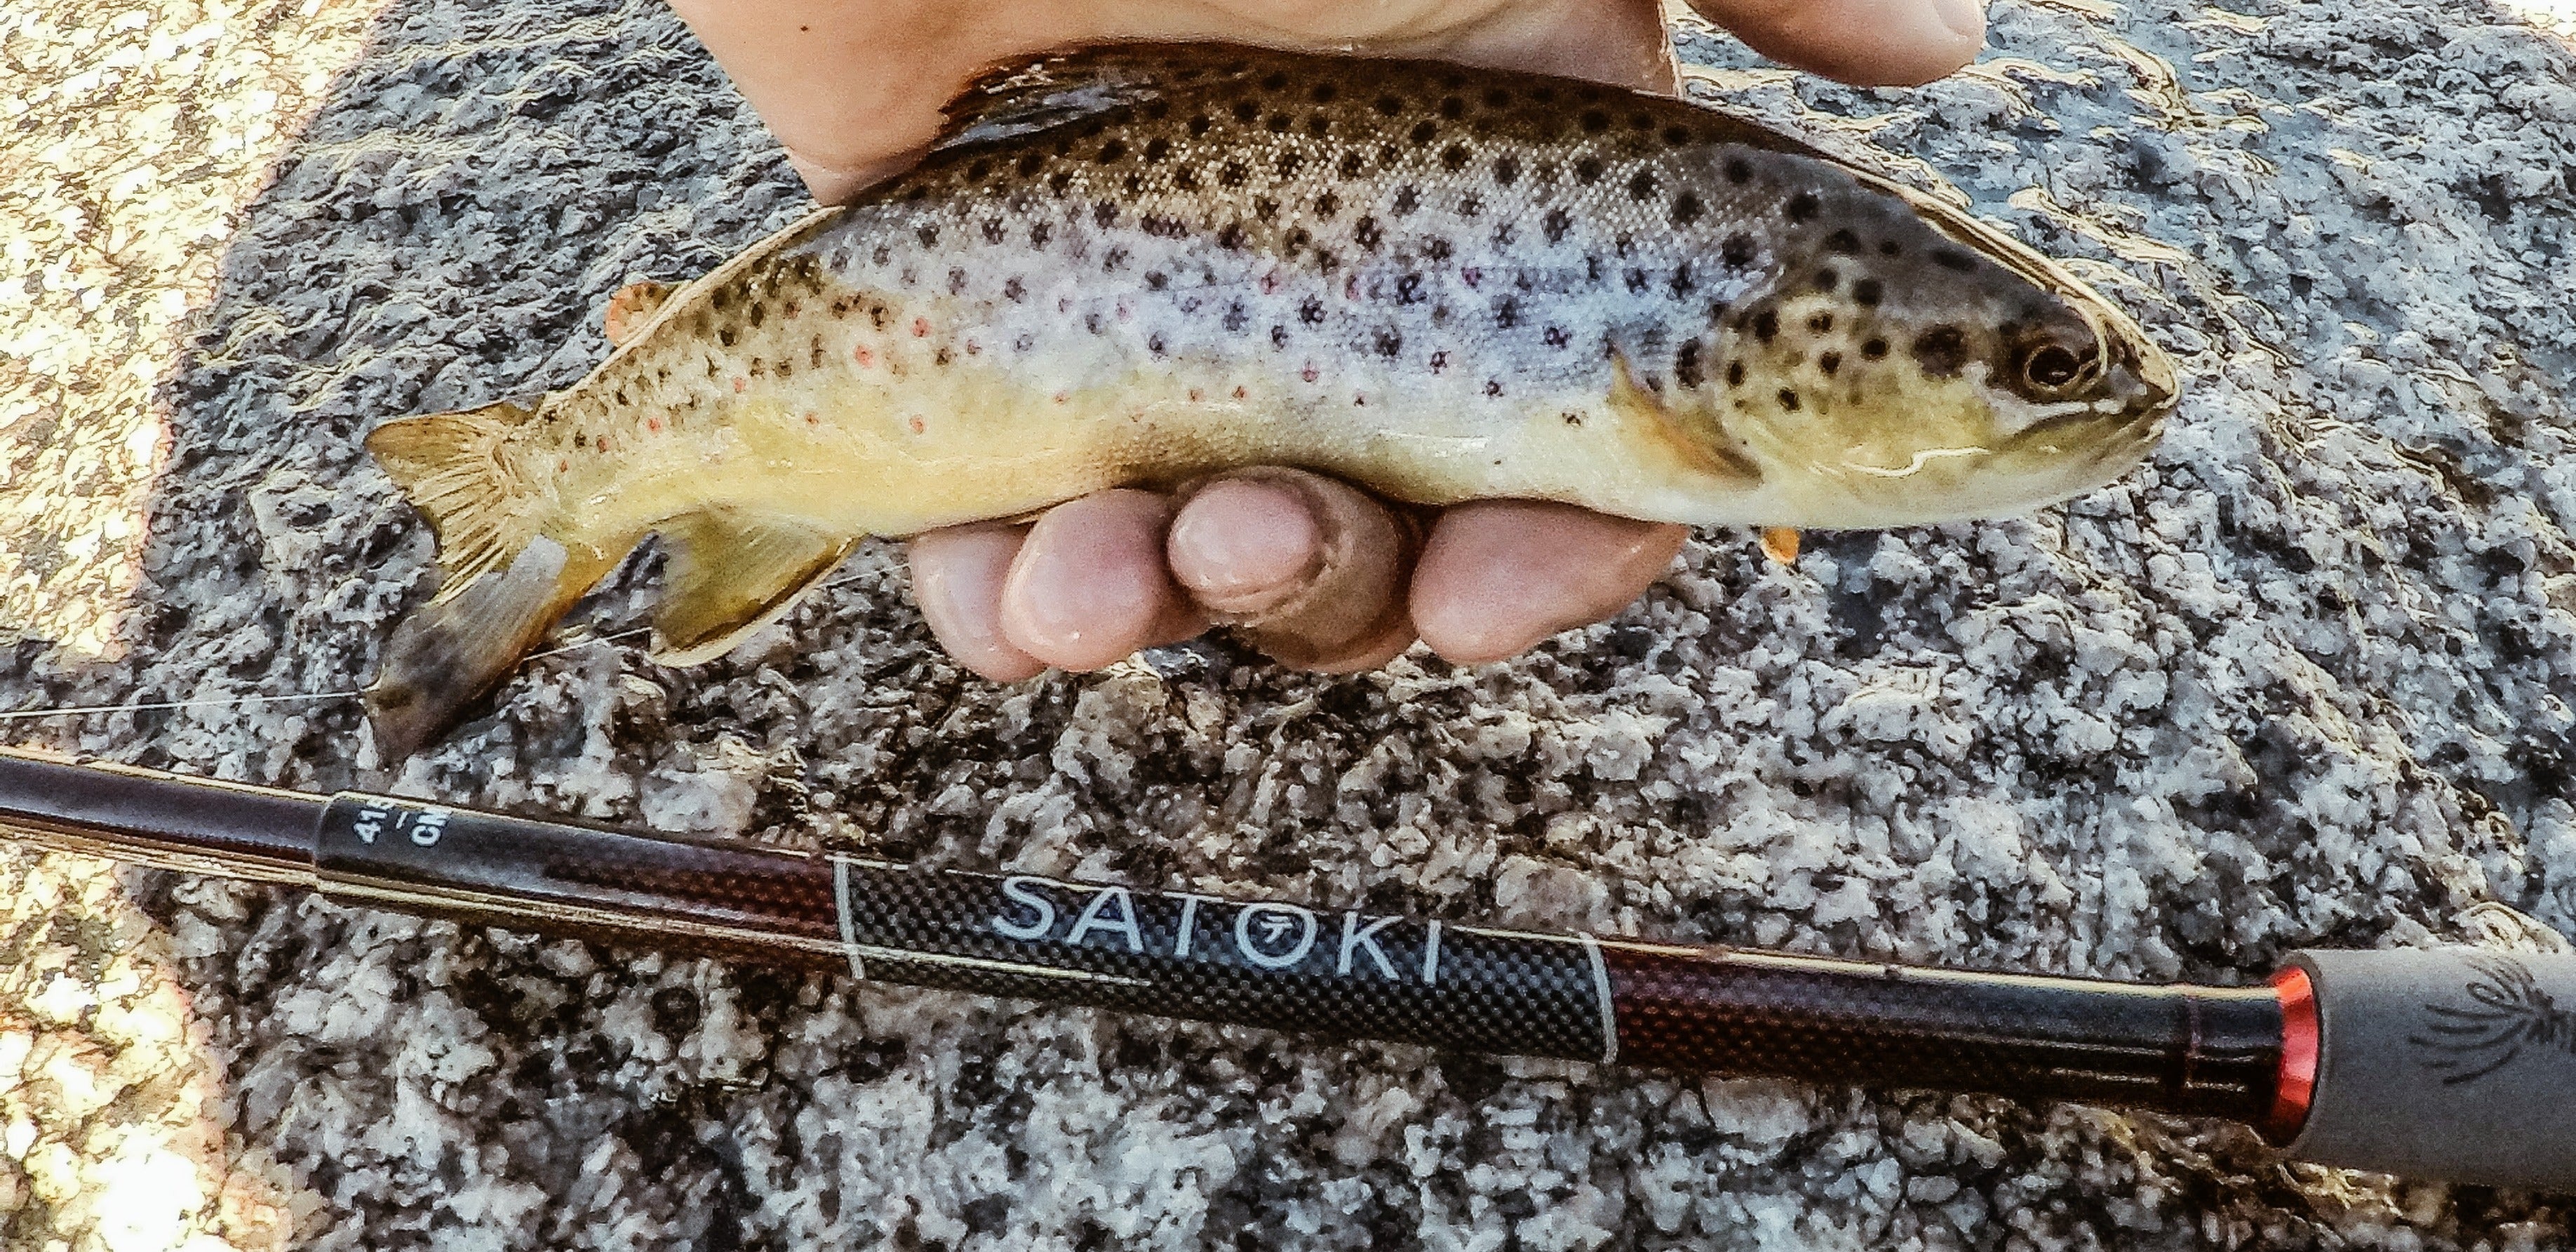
x: 957, y: 577
x: 1090, y: 585
x: 1497, y: 577
x: 1243, y: 547
x: 1867, y: 43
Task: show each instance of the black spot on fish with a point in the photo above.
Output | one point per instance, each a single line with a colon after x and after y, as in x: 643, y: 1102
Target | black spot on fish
x: 1408, y: 289
x: 1506, y: 170
x: 1571, y: 417
x: 1156, y: 280
x: 1588, y: 171
x: 1735, y: 373
x: 1156, y: 151
x: 881, y: 256
x: 1235, y: 318
x: 1436, y: 248
x: 1677, y: 136
x: 956, y: 282
x: 994, y: 231
x: 936, y: 358
x: 1277, y: 123
x: 978, y: 171
x: 1594, y: 121
x: 1890, y: 248
x: 1507, y: 312
x: 1388, y: 343
x: 1504, y: 234
x: 1311, y: 312
x: 1452, y: 108
x: 1015, y: 289
x: 1942, y: 351
x: 1641, y: 121
x: 1326, y: 205
x: 1040, y: 233
x: 1288, y: 163
x: 1365, y: 232
x: 1842, y: 242
x: 1493, y: 387
x: 1029, y: 163
x: 1153, y: 344
x: 1276, y: 80
x: 1867, y: 293
x: 1279, y: 336
x: 1555, y: 224
x: 1246, y: 111
x: 1826, y: 280
x: 1686, y: 208
x: 1637, y: 281
x: 759, y: 314
x: 1686, y: 366
x: 1232, y: 174
x: 1497, y: 98
x: 1319, y: 126
x: 1683, y: 283
x: 1104, y: 213
x: 1788, y: 399
x: 1830, y: 362
x: 1423, y: 133
x: 1953, y: 259
x: 1470, y: 205
x: 1737, y: 251
x: 1821, y: 323
x: 1643, y: 186
x: 1323, y: 93
x: 1091, y: 322
x: 725, y: 336
x: 1111, y: 260
x: 1231, y: 237
x: 1264, y: 208
x: 1738, y: 170
x: 1556, y: 337
x: 1453, y: 158
x: 1804, y: 206
x: 1112, y: 152
x: 1352, y: 165
x: 1199, y: 126
x: 1297, y: 240
x: 1766, y: 325
x: 1389, y: 105
x: 1163, y: 227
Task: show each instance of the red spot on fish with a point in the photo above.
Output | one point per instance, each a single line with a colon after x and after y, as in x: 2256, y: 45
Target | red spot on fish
x: 864, y: 357
x: 1060, y: 397
x: 921, y: 328
x: 1124, y: 312
x: 1238, y: 393
x: 1270, y: 282
x: 1471, y: 276
x: 918, y: 426
x: 1309, y: 373
x: 813, y: 419
x: 601, y: 443
x: 1196, y: 394
x: 653, y: 424
x: 563, y: 465
x: 741, y: 383
x: 973, y: 347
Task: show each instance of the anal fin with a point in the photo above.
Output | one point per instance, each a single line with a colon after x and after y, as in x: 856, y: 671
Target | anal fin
x: 730, y: 573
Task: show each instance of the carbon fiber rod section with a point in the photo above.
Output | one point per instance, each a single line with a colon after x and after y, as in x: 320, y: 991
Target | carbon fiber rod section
x: 201, y: 825
x: 2202, y: 1051
x: 1173, y: 953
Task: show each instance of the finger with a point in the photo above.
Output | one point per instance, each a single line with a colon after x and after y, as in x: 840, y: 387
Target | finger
x: 1500, y: 575
x: 957, y: 577
x: 1089, y: 586
x: 1309, y: 570
x: 1870, y: 43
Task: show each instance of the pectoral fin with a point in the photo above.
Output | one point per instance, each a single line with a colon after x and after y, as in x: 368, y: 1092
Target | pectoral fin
x: 730, y: 573
x: 1697, y: 447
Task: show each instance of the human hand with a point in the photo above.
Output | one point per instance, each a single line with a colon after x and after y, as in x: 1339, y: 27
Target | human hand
x: 1314, y: 572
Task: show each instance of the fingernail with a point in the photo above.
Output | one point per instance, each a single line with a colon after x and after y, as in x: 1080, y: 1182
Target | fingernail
x: 1244, y: 547
x: 1967, y: 18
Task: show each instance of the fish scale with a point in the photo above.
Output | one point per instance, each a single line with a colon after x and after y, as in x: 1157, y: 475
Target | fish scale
x: 1137, y: 265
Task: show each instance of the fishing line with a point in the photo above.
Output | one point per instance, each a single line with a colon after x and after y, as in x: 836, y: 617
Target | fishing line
x: 155, y: 706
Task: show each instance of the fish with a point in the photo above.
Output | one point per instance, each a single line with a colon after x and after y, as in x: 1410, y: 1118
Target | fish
x: 1140, y: 264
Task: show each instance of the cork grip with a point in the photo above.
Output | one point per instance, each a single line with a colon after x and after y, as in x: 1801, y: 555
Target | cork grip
x: 2450, y: 1064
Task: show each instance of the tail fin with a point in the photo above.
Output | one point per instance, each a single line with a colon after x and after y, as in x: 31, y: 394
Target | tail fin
x: 450, y: 651
x: 450, y: 466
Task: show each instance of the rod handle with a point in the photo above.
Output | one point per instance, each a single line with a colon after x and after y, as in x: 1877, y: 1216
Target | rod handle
x: 2450, y: 1064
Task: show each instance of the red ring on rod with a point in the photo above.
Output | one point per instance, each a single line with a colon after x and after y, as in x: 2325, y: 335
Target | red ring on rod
x: 2296, y: 1087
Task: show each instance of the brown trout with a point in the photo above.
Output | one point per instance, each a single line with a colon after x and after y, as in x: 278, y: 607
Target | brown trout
x: 1134, y: 265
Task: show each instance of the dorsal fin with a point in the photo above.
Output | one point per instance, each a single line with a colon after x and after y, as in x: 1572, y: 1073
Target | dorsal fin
x: 1030, y: 94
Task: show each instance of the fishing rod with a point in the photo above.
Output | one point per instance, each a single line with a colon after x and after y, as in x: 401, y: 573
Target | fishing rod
x: 2448, y: 1064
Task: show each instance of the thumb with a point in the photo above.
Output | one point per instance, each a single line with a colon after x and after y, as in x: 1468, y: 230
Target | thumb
x: 1867, y: 43
x: 1307, y: 569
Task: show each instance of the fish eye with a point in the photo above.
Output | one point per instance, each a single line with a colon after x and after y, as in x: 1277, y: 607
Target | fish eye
x: 2053, y: 367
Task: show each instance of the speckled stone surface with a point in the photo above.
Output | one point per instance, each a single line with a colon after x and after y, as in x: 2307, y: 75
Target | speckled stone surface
x: 2304, y: 680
